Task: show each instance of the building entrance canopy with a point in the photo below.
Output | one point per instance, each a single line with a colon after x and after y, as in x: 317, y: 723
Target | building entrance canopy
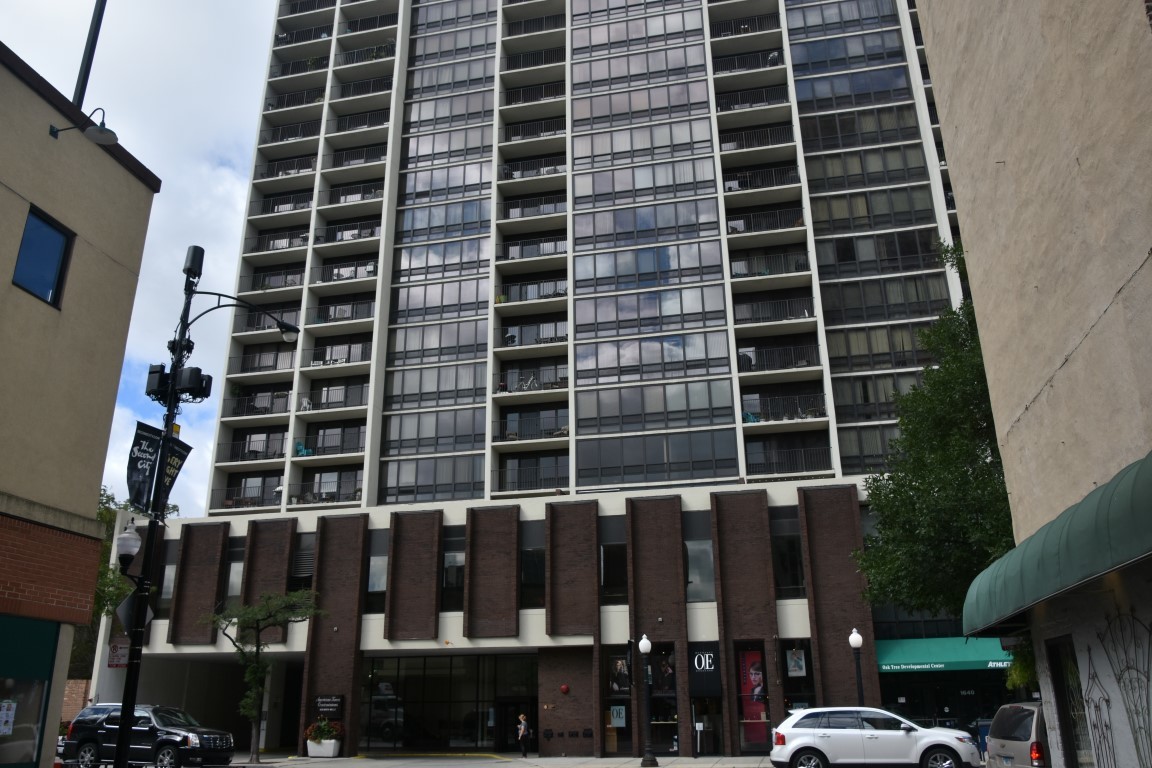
x: 1107, y: 530
x: 941, y: 654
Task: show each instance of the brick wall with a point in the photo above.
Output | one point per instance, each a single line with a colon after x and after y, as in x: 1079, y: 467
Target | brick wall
x: 492, y: 573
x: 568, y: 715
x: 200, y: 574
x: 46, y: 573
x: 75, y: 699
x: 572, y: 597
x: 413, y: 601
x: 267, y: 561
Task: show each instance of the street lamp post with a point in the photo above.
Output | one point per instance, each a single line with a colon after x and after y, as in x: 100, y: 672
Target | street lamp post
x: 645, y: 647
x: 180, y: 384
x: 856, y: 640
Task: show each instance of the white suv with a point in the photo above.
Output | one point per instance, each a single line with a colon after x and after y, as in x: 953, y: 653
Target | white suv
x: 824, y: 736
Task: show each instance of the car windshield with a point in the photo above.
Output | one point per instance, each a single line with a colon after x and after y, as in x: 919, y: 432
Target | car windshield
x: 173, y: 717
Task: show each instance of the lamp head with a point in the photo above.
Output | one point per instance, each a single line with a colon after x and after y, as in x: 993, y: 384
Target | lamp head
x: 856, y: 640
x: 289, y: 332
x: 127, y: 545
x: 97, y: 134
x: 645, y: 645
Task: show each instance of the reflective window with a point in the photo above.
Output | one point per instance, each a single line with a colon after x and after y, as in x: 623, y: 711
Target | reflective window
x: 42, y: 260
x: 438, y: 386
x: 653, y: 357
x: 650, y: 458
x: 859, y: 128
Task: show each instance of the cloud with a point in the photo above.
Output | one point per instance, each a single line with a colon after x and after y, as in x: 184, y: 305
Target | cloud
x: 181, y: 84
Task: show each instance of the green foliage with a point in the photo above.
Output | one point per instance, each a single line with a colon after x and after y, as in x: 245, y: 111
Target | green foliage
x: 1022, y: 673
x: 941, y: 512
x: 245, y: 625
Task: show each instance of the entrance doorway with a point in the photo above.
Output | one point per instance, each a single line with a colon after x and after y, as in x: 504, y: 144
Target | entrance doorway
x: 508, y: 713
x: 707, y: 727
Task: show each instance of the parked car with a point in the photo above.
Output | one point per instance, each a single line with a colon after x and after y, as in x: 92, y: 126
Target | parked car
x: 824, y: 736
x: 166, y: 737
x: 1018, y: 737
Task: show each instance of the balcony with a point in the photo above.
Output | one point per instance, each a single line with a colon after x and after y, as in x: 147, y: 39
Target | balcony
x: 294, y: 99
x: 344, y: 233
x: 369, y: 23
x: 322, y: 492
x: 535, y: 129
x: 747, y: 62
x: 362, y: 55
x: 530, y: 59
x: 772, y: 311
x: 530, y: 428
x: 751, y: 98
x: 533, y: 26
x: 525, y: 169
x: 535, y: 290
x: 298, y: 67
x: 292, y: 132
x: 740, y: 182
x: 528, y: 479
x: 338, y: 313
x: 233, y: 498
x: 256, y: 405
x: 361, y: 121
x: 301, y: 201
x: 749, y: 25
x: 547, y: 205
x: 267, y: 281
x: 778, y: 358
x: 276, y: 241
x: 336, y: 273
x: 765, y: 221
x: 252, y: 450
x: 756, y: 410
x: 258, y: 322
x: 532, y: 334
x: 336, y: 356
x: 304, y: 6
x: 532, y: 254
x: 357, y: 156
x: 302, y: 36
x: 769, y: 264
x: 354, y: 193
x: 360, y: 88
x: 546, y: 377
x: 351, y: 441
x: 285, y: 168
x: 347, y: 396
x: 532, y: 94
x: 262, y: 362
x: 790, y: 461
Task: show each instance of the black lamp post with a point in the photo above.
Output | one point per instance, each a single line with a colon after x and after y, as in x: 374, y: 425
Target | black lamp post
x: 856, y: 640
x: 645, y: 648
x: 178, y: 385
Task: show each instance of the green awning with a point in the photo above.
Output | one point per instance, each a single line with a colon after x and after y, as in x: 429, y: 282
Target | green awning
x: 1109, y: 529
x: 941, y: 654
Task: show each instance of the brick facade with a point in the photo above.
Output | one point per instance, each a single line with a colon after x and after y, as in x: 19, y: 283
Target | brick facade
x: 200, y: 574
x: 491, y: 577
x: 572, y: 596
x: 570, y: 717
x: 46, y: 573
x: 413, y: 601
x: 267, y: 561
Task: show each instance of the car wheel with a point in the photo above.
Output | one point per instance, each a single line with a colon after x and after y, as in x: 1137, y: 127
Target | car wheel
x: 88, y: 755
x: 938, y: 757
x: 167, y: 757
x: 809, y: 759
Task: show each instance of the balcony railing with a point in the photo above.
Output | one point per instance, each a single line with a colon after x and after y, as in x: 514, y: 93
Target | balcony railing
x: 252, y: 450
x: 230, y: 498
x: 925, y: 75
x: 779, y: 358
x: 304, y: 6
x: 790, y: 462
x: 529, y: 428
x: 357, y: 156
x: 535, y: 206
x: 338, y: 354
x: 372, y: 22
x: 257, y: 405
x: 530, y: 94
x: 330, y: 273
x: 298, y: 67
x: 528, y: 479
x: 747, y: 26
x: 762, y: 265
x: 266, y: 281
x: 532, y: 291
x: 343, y: 232
x: 738, y: 181
x: 302, y: 35
x: 531, y: 26
x: 533, y: 333
x: 772, y: 311
x: 537, y: 129
x: 765, y: 221
x: 327, y: 445
x: 322, y: 492
x: 355, y: 193
x: 747, y: 61
x: 949, y: 199
x: 757, y: 137
x: 291, y: 132
x: 758, y: 409
x: 249, y: 322
x: 294, y: 99
x: 257, y: 362
x: 373, y: 119
x: 361, y: 55
x: 338, y: 313
x: 286, y: 167
x: 348, y: 396
x: 534, y: 59
x: 755, y: 97
x: 532, y: 381
x: 276, y: 241
x: 530, y: 249
x: 281, y: 204
x: 362, y: 87
x: 523, y: 169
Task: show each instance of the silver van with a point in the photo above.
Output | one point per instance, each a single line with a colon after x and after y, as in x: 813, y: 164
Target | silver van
x: 1017, y: 737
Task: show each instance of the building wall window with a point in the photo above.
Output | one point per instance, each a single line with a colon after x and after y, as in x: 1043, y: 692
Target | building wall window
x: 658, y: 30
x: 864, y: 450
x: 452, y: 575
x: 837, y: 18
x: 458, y: 257
x: 464, y: 109
x: 646, y: 142
x: 700, y: 581
x: 787, y: 553
x: 427, y: 387
x: 889, y: 346
x: 437, y: 301
x: 42, y: 261
x: 657, y: 357
x: 435, y: 432
x: 648, y: 267
x: 859, y: 128
x: 649, y: 458
x: 887, y: 298
x: 449, y: 477
x: 303, y: 564
x: 641, y: 106
x: 377, y: 583
x: 438, y: 343
x: 909, y: 250
x: 675, y: 309
x: 856, y: 52
x: 655, y: 406
x: 532, y: 564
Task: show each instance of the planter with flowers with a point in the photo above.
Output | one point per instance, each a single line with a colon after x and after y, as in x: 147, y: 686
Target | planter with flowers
x: 324, y: 737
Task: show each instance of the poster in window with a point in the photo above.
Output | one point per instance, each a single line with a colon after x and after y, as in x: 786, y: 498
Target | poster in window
x: 796, y: 664
x: 753, y: 701
x: 619, y: 681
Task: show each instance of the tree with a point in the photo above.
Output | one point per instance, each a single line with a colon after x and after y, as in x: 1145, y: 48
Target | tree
x: 111, y: 587
x: 941, y: 512
x: 244, y: 626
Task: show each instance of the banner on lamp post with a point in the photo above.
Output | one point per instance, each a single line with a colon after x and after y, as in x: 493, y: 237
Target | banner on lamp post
x: 142, y: 464
x: 175, y: 456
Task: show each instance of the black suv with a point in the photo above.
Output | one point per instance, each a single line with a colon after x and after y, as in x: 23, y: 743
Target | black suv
x: 162, y: 736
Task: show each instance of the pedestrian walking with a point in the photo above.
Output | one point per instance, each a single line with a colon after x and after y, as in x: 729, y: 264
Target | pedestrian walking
x: 522, y: 735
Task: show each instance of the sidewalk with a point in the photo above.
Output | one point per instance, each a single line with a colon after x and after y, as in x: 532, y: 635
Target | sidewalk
x: 454, y: 760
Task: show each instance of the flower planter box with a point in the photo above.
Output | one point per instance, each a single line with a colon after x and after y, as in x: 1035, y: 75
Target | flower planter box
x: 326, y: 748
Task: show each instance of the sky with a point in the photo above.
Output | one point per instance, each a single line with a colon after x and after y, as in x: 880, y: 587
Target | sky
x: 181, y: 83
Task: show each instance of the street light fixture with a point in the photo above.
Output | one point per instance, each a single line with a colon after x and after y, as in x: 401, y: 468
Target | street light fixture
x: 856, y: 640
x: 178, y: 385
x: 645, y: 648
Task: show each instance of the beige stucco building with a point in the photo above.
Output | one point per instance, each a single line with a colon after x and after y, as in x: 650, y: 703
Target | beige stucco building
x: 73, y: 217
x: 1045, y: 108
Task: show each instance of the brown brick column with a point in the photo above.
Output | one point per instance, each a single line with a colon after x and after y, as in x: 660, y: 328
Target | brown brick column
x: 267, y: 562
x: 200, y: 576
x: 572, y: 589
x: 415, y: 559
x: 572, y: 717
x: 492, y: 573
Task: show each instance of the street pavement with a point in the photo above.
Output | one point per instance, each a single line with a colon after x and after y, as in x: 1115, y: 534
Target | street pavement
x: 512, y: 760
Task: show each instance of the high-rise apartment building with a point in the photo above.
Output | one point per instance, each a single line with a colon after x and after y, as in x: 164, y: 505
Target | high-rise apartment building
x: 603, y: 308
